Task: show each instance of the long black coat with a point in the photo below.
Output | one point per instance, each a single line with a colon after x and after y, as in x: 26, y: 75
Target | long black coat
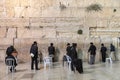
x: 51, y: 50
x: 73, y: 53
x: 103, y: 49
x: 112, y: 47
x: 68, y: 49
x: 34, y: 50
x: 92, y: 50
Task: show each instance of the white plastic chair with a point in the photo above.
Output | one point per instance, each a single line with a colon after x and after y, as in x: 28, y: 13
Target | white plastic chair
x: 47, y: 61
x: 10, y: 64
x: 68, y: 61
x: 109, y: 59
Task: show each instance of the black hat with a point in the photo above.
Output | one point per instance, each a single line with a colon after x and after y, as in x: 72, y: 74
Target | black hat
x: 35, y: 42
x: 68, y: 43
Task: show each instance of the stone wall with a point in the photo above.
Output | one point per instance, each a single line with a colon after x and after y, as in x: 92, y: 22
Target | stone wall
x: 57, y: 21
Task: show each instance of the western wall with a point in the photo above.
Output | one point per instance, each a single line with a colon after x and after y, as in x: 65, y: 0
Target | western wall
x: 58, y: 21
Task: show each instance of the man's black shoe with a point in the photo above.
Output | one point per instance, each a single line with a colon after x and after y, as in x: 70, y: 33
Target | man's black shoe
x: 32, y: 69
x: 12, y: 70
x: 38, y: 69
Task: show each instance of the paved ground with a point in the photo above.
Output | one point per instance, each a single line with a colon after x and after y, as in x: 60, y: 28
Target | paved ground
x: 99, y: 71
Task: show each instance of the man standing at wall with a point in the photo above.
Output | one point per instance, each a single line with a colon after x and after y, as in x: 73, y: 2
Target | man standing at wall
x: 112, y: 51
x: 103, y: 52
x: 73, y: 56
x: 92, y: 50
x: 68, y: 49
x: 34, y: 55
x: 51, y: 51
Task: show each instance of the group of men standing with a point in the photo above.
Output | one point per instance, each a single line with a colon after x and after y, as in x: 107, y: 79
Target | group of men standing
x: 76, y: 61
x: 103, y: 50
x: 34, y: 54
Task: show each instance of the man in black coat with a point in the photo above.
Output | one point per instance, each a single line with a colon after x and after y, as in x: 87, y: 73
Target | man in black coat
x: 14, y: 62
x: 103, y: 52
x: 51, y: 51
x: 73, y: 56
x: 34, y: 55
x: 92, y: 50
x: 68, y: 49
x: 9, y: 50
x: 112, y: 52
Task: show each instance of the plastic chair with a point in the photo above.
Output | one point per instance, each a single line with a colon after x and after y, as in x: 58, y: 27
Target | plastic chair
x: 47, y: 61
x: 109, y: 59
x: 10, y: 64
x: 68, y: 61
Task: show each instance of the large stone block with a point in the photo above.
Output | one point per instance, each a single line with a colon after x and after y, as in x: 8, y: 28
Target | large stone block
x: 36, y: 33
x: 102, y: 23
x: 19, y: 11
x: 1, y: 9
x: 24, y: 3
x: 10, y: 12
x: 2, y: 55
x: 2, y: 15
x: 5, y: 42
x: 43, y: 20
x: 1, y: 2
x: 2, y: 32
x: 11, y: 33
x: 11, y: 3
x: 49, y: 33
x: 28, y: 33
x: 14, y: 22
x: 34, y: 12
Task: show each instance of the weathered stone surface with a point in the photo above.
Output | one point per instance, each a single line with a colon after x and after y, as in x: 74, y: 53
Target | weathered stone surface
x: 10, y: 12
x: 14, y: 22
x: 1, y: 9
x: 24, y: 2
x: 11, y: 3
x: 2, y: 55
x: 5, y: 42
x: 11, y: 33
x: 28, y: 33
x: 19, y: 11
x: 3, y: 32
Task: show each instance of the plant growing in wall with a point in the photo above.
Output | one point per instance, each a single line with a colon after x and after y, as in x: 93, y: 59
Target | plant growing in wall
x: 94, y: 7
x: 62, y: 6
x: 80, y: 32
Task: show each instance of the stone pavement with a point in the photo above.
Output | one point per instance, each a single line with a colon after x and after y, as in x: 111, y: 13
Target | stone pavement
x: 99, y: 71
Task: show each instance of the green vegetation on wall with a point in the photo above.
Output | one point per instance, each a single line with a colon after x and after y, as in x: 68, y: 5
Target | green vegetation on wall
x: 80, y: 31
x: 94, y: 7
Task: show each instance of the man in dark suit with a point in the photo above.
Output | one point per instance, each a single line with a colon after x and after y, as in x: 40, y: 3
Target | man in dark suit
x: 14, y: 62
x: 68, y: 49
x: 103, y: 52
x: 34, y: 55
x: 51, y: 51
x: 73, y: 56
x: 92, y: 50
